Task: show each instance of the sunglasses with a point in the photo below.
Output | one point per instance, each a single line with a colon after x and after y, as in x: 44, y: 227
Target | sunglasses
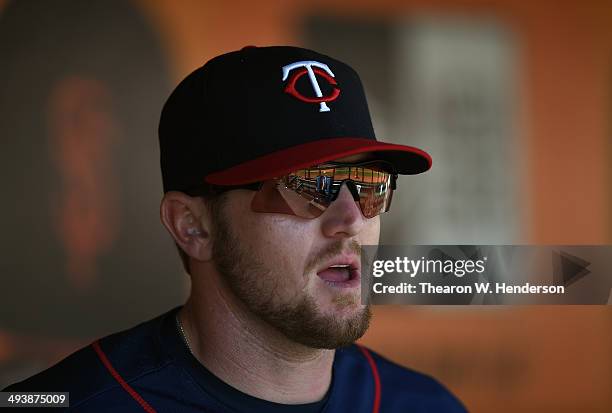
x: 307, y: 193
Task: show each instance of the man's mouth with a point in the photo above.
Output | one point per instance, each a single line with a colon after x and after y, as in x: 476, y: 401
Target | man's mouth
x: 343, y: 275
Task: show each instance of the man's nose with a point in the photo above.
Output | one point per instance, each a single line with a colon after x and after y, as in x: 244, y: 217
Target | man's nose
x: 343, y: 218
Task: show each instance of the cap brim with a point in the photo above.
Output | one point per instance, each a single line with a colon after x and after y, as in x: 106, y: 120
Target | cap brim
x: 407, y: 160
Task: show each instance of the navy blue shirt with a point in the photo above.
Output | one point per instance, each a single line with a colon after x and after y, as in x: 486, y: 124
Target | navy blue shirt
x: 149, y: 368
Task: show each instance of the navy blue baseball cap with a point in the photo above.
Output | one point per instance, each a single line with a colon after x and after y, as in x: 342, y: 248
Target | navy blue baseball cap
x: 262, y: 112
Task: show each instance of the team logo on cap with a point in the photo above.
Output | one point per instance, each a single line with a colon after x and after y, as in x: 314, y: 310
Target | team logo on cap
x: 311, y: 68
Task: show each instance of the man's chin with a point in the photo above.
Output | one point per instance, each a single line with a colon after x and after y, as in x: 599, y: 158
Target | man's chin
x: 340, y: 326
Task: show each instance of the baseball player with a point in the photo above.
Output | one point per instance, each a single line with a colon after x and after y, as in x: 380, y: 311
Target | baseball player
x: 273, y: 179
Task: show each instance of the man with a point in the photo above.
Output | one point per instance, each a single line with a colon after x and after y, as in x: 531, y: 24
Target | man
x: 273, y: 179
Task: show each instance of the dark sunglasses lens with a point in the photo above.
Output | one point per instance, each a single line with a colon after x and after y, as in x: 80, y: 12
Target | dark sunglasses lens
x: 374, y: 200
x: 310, y: 198
x: 275, y: 197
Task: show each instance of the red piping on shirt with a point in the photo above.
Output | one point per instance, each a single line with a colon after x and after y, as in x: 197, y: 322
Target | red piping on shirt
x: 376, y: 376
x: 146, y: 406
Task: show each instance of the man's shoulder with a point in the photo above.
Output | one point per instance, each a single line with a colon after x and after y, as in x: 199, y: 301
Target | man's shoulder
x: 396, y: 387
x: 86, y: 373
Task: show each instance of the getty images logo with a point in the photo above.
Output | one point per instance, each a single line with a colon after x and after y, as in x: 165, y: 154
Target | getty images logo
x: 311, y: 68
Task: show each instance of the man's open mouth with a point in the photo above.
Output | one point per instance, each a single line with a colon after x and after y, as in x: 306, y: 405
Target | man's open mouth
x: 344, y: 275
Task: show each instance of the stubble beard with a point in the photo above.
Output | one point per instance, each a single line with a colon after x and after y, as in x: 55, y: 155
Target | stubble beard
x: 256, y: 286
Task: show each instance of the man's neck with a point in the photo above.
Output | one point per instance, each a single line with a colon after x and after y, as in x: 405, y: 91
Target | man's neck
x: 249, y: 354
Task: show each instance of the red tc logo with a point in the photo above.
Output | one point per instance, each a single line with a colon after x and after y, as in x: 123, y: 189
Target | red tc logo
x: 311, y: 67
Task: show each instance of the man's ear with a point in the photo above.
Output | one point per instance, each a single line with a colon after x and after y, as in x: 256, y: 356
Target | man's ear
x: 187, y: 219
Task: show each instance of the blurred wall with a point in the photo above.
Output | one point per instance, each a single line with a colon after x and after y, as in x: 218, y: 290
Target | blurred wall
x: 545, y: 359
x: 83, y: 252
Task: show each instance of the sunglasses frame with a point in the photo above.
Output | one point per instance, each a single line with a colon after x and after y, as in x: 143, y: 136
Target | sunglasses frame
x: 329, y: 182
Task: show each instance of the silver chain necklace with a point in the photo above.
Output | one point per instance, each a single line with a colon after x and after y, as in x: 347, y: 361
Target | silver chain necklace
x: 179, y: 325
